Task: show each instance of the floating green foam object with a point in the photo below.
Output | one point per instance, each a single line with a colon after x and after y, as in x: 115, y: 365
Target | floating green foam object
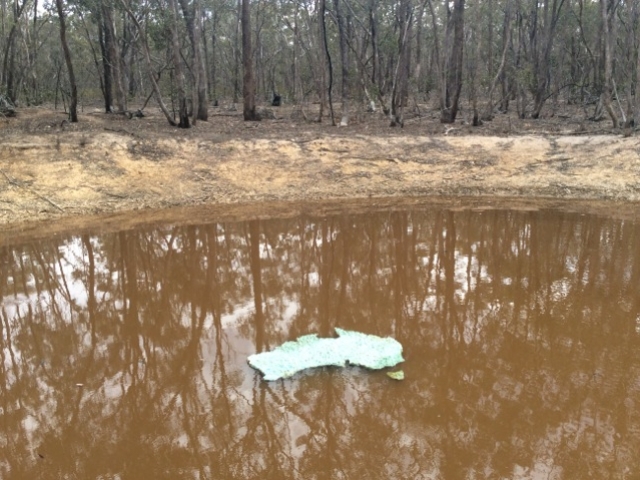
x: 309, y: 351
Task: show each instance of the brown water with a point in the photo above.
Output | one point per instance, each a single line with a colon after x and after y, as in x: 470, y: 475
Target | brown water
x: 124, y: 355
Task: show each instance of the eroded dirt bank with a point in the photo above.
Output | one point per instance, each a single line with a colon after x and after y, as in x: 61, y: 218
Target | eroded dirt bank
x: 76, y: 173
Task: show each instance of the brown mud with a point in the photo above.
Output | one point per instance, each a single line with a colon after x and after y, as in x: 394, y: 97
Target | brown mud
x: 58, y: 175
x: 126, y: 353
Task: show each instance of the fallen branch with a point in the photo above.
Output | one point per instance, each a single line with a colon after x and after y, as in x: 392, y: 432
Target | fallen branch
x: 12, y: 182
x: 546, y: 133
x: 109, y: 194
x: 121, y: 130
x: 374, y: 159
x: 50, y: 202
x: 41, y: 197
x: 114, y: 195
x: 23, y: 146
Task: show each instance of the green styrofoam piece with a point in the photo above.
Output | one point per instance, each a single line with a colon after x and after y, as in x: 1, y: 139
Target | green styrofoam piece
x: 309, y: 351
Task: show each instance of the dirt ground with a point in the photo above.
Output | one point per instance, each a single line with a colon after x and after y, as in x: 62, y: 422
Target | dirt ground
x: 112, y: 170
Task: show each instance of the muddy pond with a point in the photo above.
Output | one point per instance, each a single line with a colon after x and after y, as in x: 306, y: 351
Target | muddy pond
x: 124, y: 355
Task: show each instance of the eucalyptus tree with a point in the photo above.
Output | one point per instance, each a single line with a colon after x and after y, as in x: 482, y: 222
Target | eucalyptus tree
x: 183, y: 114
x: 210, y: 53
x: 327, y: 63
x: 586, y: 58
x: 543, y: 32
x: 33, y: 44
x: 294, y: 26
x: 221, y: 45
x: 451, y: 74
x: 500, y: 76
x: 192, y: 13
x: 608, y: 16
x: 114, y: 54
x: 343, y: 21
x: 153, y: 79
x: 249, y: 83
x: 400, y: 87
x: 73, y: 105
x: 634, y: 80
x: 113, y: 71
x: 9, y: 68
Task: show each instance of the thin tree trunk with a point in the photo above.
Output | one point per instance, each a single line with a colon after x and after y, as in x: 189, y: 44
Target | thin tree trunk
x: 401, y: 78
x: 113, y: 56
x: 214, y: 47
x: 236, y: 55
x: 473, y: 59
x: 453, y: 82
x: 33, y: 55
x: 93, y: 50
x: 294, y: 67
x: 202, y: 110
x: 73, y: 105
x: 183, y: 114
x: 344, y: 63
x: 375, y: 54
x: 3, y: 13
x: 636, y: 102
x: 8, y: 65
x: 542, y: 63
x: 607, y: 10
x: 103, y: 37
x: 417, y: 70
x: 323, y: 34
x: 248, y: 83
x: 437, y: 56
x: 507, y: 38
x: 488, y: 113
x: 205, y: 50
x: 193, y: 18
x: 131, y: 60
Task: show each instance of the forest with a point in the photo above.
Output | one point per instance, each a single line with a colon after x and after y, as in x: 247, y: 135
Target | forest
x: 395, y: 56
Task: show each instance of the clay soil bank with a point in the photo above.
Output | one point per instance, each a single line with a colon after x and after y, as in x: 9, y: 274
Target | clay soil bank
x: 108, y: 169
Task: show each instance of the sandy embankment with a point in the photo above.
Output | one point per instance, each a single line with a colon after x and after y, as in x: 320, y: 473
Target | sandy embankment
x: 72, y: 176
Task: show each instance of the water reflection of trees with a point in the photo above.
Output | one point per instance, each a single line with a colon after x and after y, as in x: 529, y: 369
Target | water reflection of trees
x: 125, y: 354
